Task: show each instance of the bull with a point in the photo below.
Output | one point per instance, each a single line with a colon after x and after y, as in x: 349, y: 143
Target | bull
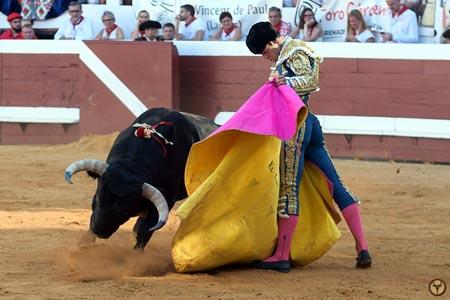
x: 144, y: 172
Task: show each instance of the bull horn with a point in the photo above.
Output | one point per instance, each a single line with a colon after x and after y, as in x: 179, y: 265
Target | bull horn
x: 155, y: 196
x: 91, y: 165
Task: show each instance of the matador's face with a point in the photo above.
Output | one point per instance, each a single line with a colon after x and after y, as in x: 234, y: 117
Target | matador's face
x: 271, y: 52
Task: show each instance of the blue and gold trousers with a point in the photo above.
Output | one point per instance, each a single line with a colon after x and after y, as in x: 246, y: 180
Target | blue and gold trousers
x: 308, y: 143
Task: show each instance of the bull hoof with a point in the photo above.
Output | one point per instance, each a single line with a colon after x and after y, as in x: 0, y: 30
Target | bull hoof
x: 280, y: 266
x: 139, y: 247
x: 87, y: 239
x: 363, y: 260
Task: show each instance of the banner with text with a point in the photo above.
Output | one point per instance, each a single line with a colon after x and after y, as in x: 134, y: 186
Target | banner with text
x: 333, y: 15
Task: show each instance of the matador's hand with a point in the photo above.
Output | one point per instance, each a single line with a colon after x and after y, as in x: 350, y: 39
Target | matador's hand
x: 280, y: 80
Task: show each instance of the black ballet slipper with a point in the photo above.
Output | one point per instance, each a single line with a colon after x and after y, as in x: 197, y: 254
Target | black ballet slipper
x: 363, y: 260
x: 280, y: 266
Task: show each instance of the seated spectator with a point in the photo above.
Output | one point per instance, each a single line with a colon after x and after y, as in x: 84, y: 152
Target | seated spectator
x: 446, y: 36
x: 28, y: 32
x: 168, y: 31
x: 191, y: 28
x: 403, y: 24
x: 76, y: 27
x: 111, y: 30
x: 357, y: 30
x: 142, y: 16
x: 308, y: 29
x: 280, y: 26
x: 150, y: 29
x: 14, y: 33
x: 228, y: 31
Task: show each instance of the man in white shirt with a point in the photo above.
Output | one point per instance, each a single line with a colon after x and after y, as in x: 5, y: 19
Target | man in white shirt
x: 77, y: 27
x: 191, y: 28
x: 403, y: 21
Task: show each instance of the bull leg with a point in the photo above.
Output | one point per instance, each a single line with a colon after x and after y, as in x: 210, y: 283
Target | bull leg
x: 138, y: 224
x: 87, y: 239
x: 141, y: 228
x: 143, y: 225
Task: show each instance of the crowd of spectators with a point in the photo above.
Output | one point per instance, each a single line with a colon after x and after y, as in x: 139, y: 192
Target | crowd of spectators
x: 18, y: 30
x: 187, y: 26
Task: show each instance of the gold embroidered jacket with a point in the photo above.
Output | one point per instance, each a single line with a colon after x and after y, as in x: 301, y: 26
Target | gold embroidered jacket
x: 300, y: 58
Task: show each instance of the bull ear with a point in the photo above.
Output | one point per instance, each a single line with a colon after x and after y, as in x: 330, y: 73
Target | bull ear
x: 93, y: 175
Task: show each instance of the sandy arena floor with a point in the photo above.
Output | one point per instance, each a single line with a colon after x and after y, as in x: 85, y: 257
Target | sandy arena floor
x: 406, y: 209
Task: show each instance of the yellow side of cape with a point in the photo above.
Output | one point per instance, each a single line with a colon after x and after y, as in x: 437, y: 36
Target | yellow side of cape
x: 230, y: 216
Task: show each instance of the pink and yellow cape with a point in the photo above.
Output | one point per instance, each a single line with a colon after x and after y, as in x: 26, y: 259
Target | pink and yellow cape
x: 232, y: 179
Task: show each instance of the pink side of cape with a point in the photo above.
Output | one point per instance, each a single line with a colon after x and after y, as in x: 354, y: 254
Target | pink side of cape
x: 271, y: 110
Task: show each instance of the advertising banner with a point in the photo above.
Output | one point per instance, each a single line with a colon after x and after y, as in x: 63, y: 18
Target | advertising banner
x: 333, y: 15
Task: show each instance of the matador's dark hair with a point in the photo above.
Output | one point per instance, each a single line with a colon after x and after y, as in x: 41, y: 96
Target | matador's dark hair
x: 259, y: 36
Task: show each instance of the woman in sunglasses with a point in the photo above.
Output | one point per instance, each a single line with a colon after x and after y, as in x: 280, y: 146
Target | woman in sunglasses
x: 111, y: 31
x: 308, y: 29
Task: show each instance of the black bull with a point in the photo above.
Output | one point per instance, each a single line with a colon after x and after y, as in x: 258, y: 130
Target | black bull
x: 142, y: 176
